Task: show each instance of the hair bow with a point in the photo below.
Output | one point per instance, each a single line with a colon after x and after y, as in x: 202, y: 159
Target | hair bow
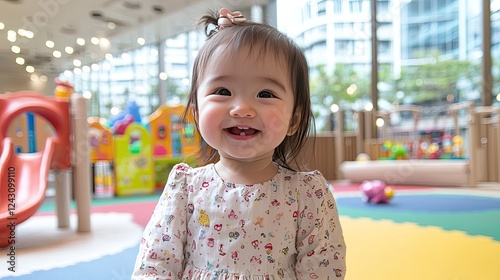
x: 228, y: 18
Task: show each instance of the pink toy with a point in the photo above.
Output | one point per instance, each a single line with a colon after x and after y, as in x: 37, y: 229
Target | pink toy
x: 376, y: 191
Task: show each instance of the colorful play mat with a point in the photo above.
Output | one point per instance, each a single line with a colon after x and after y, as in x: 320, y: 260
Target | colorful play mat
x: 422, y: 234
x: 432, y: 234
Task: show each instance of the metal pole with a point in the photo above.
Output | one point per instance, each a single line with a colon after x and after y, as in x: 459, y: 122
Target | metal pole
x: 81, y: 162
x: 339, y: 142
x: 374, y: 74
x: 162, y: 84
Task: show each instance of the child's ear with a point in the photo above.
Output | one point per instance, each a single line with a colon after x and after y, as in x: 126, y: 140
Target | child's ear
x: 294, y: 123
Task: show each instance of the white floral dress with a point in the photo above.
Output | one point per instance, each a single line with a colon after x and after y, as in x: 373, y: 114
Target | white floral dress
x: 206, y: 228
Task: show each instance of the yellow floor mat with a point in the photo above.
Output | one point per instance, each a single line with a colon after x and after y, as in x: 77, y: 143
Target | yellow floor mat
x: 385, y: 250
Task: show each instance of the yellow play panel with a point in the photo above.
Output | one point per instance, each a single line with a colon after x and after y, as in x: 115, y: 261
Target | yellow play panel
x: 385, y: 250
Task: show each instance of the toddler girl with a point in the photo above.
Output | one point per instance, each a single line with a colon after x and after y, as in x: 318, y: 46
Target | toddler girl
x: 246, y: 214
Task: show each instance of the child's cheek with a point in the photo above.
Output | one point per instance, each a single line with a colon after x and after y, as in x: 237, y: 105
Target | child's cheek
x: 209, y: 118
x: 278, y: 120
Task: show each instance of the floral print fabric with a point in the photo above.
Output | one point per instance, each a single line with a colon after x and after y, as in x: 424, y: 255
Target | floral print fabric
x: 206, y: 228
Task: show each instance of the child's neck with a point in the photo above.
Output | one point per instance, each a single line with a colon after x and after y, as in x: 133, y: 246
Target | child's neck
x: 242, y: 172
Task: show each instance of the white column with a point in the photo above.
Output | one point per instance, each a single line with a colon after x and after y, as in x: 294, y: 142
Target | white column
x: 81, y: 161
x: 63, y: 197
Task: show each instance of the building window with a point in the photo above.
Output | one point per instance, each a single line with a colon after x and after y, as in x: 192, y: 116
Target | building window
x: 382, y: 6
x: 356, y: 6
x: 344, y: 48
x: 321, y: 7
x: 306, y: 12
x: 337, y: 6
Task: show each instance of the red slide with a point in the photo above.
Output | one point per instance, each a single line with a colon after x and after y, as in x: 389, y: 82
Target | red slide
x: 23, y: 177
x: 23, y: 181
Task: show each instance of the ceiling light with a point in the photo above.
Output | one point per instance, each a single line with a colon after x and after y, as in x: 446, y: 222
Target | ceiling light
x: 80, y: 41
x: 30, y: 69
x: 68, y: 50
x: 29, y: 34
x: 2, y: 26
x: 163, y: 76
x: 94, y: 40
x: 15, y: 49
x: 77, y: 71
x: 141, y: 41
x: 34, y: 77
x: 108, y: 56
x: 95, y: 67
x: 86, y: 69
x: 21, y: 32
x: 50, y: 44
x: 43, y: 78
x: 25, y: 33
x: 77, y: 63
x: 56, y: 54
x: 11, y: 36
x: 111, y: 25
x: 104, y: 43
x: 20, y: 60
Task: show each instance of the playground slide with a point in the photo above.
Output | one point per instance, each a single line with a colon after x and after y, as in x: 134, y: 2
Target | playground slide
x: 23, y: 181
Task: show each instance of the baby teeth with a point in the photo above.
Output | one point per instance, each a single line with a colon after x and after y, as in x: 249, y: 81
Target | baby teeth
x: 242, y: 134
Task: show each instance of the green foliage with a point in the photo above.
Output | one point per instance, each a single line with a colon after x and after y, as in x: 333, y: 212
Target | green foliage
x: 175, y: 88
x: 429, y: 82
x: 496, y: 78
x: 328, y: 89
x: 436, y: 80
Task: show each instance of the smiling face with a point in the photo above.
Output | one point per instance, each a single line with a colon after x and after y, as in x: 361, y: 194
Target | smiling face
x: 252, y: 56
x: 245, y: 103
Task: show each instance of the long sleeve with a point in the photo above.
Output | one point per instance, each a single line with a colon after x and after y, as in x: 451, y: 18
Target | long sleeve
x: 161, y: 252
x: 321, y: 248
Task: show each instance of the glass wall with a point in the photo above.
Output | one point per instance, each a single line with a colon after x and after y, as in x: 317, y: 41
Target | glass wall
x: 429, y: 54
x: 495, y: 50
x: 136, y: 75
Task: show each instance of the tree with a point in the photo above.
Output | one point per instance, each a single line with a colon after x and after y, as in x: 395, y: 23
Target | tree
x: 436, y: 81
x: 176, y: 89
x: 427, y: 84
x: 343, y: 87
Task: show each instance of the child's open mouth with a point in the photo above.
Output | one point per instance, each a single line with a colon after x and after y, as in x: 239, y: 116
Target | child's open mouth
x: 242, y: 131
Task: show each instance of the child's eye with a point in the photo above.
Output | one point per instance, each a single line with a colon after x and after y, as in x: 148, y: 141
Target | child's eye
x: 265, y: 94
x: 223, y: 91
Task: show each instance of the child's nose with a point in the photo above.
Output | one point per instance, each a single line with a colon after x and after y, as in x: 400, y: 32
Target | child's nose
x: 242, y: 110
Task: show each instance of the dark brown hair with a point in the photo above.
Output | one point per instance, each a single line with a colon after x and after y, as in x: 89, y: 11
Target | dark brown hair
x: 264, y: 39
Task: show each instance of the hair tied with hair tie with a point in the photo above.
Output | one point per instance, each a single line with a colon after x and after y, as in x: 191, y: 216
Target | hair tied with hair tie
x: 228, y: 18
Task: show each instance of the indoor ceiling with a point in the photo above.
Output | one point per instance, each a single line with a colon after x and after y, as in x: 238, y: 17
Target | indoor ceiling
x: 64, y: 21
